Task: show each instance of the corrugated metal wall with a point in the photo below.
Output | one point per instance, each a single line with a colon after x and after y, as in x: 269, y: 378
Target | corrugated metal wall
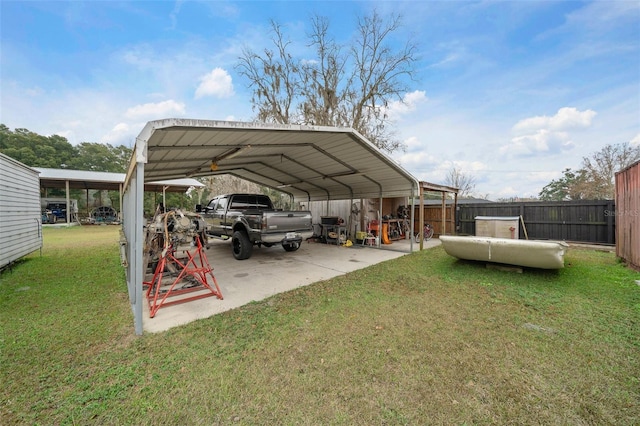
x: 340, y: 208
x: 131, y: 240
x: 627, y: 215
x: 368, y: 211
x: 20, y: 213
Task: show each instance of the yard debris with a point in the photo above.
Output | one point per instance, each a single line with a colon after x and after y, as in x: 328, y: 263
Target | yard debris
x: 535, y: 327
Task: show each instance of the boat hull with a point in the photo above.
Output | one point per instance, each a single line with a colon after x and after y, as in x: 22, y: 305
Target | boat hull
x: 532, y: 254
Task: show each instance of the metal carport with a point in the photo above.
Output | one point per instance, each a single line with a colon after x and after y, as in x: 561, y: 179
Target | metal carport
x: 310, y: 163
x: 84, y: 179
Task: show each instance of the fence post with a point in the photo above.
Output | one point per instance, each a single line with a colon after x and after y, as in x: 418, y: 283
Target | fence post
x: 522, y: 219
x: 610, y: 217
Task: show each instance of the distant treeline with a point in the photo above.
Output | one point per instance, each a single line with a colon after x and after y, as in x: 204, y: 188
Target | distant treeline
x: 56, y: 152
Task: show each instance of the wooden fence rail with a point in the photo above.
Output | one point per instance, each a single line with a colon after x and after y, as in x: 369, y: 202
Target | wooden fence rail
x: 590, y: 221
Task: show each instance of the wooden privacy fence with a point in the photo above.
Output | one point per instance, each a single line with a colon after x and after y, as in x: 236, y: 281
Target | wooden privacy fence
x: 433, y: 216
x: 627, y: 215
x: 591, y: 221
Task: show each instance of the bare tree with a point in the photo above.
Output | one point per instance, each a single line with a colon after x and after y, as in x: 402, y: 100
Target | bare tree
x: 340, y: 87
x: 378, y: 77
x: 465, y: 183
x: 321, y: 93
x: 596, y: 179
x: 600, y: 169
x: 274, y: 79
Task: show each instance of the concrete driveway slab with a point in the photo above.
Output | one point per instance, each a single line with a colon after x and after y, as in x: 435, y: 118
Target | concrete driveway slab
x: 270, y: 271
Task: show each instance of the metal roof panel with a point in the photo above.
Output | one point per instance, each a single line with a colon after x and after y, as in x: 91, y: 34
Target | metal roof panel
x: 309, y: 162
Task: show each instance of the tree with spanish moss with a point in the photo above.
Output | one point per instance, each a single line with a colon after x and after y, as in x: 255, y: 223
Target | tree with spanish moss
x: 343, y: 86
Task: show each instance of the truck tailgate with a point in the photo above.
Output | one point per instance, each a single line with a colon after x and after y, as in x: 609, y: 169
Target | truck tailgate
x: 287, y: 221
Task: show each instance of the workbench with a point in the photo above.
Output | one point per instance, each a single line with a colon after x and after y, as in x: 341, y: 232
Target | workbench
x: 338, y: 229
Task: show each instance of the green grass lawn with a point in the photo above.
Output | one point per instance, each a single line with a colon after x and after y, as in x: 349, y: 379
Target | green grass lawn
x: 423, y: 339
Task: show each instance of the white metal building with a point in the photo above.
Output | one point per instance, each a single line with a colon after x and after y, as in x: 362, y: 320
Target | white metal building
x: 20, y: 214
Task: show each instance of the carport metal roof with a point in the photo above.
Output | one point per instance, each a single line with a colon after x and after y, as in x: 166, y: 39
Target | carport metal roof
x: 308, y: 162
x: 84, y: 179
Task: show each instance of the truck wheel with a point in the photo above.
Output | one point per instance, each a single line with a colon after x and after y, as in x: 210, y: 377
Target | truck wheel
x: 241, y: 245
x: 291, y: 246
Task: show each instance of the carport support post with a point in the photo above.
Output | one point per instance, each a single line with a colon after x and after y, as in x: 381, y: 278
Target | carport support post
x: 421, y: 220
x: 363, y: 225
x: 413, y: 214
x: 443, y: 214
x: 66, y: 188
x: 120, y: 205
x: 380, y: 221
x: 454, y: 209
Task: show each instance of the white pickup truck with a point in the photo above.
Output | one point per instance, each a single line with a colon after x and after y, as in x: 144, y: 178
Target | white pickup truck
x: 250, y: 219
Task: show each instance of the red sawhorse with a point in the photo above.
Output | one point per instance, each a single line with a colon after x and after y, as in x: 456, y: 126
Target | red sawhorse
x: 191, y: 275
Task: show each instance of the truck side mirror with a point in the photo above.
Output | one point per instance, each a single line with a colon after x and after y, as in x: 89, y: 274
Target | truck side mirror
x: 198, y: 208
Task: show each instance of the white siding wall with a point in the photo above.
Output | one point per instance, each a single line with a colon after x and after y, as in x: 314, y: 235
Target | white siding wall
x: 20, y: 215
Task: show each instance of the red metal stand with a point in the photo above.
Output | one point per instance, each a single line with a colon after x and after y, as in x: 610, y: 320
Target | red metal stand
x: 192, y: 276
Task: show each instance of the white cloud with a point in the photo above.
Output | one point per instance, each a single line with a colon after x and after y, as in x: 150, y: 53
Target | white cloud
x: 173, y: 16
x: 34, y: 91
x: 566, y: 118
x: 414, y: 98
x: 467, y: 167
x: 601, y: 17
x: 417, y: 160
x: 547, y: 134
x: 408, y: 104
x: 120, y: 134
x: 217, y: 83
x: 450, y: 59
x: 412, y: 143
x: 636, y: 140
x: 542, y: 141
x: 152, y: 111
x: 506, y: 192
x: 542, y: 177
x: 141, y: 57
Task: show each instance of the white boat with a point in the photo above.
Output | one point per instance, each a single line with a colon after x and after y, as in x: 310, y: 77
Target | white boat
x: 533, y: 254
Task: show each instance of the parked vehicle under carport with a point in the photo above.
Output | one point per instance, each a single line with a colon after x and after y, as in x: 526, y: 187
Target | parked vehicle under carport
x: 251, y: 219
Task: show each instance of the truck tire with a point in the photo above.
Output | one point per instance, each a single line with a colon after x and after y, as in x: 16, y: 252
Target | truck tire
x: 241, y: 245
x: 291, y: 246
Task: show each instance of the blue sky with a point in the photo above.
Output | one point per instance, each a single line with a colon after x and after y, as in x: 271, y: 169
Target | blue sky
x: 511, y: 93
